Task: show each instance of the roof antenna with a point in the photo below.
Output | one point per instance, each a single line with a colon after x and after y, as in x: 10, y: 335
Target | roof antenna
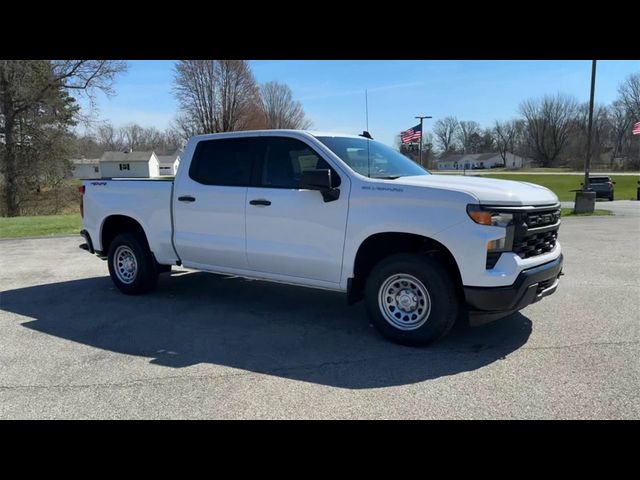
x: 366, y: 107
x: 366, y: 133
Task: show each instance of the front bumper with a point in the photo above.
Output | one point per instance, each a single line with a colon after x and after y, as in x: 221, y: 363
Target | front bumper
x: 531, y: 285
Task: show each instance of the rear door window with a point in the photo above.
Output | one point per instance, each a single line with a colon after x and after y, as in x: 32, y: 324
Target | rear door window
x: 225, y: 162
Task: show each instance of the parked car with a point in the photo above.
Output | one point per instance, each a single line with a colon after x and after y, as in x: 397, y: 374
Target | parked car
x: 602, y: 185
x: 334, y: 212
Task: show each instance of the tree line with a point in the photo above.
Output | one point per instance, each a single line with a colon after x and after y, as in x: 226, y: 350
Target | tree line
x: 551, y: 130
x: 39, y: 114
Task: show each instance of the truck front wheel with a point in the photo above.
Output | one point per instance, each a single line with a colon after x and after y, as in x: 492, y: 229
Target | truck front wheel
x: 411, y: 299
x: 131, y: 264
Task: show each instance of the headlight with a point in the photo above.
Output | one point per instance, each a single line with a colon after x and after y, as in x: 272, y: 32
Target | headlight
x: 485, y: 216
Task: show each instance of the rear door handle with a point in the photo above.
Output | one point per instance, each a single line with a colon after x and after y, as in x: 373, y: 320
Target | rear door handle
x: 265, y: 203
x: 187, y: 198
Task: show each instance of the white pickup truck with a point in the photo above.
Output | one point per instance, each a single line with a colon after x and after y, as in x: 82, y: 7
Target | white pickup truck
x: 335, y: 212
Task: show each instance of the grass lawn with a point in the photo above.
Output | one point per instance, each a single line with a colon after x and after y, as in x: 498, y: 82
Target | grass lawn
x: 40, y: 226
x: 561, y: 185
x: 568, y: 212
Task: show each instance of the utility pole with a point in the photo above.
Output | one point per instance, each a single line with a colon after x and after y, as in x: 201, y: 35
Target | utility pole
x: 421, y: 134
x: 585, y: 198
x: 587, y: 161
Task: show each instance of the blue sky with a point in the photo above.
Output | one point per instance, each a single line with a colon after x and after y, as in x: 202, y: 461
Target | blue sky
x: 332, y: 92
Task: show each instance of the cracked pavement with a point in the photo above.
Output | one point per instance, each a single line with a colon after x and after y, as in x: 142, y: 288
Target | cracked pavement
x: 204, y: 346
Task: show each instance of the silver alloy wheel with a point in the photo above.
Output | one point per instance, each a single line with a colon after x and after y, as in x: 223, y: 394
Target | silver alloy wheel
x: 125, y: 264
x: 404, y: 302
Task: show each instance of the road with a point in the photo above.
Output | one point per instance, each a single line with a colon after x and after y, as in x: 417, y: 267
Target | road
x: 204, y: 346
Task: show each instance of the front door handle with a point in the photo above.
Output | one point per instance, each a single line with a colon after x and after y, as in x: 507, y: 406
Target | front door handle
x: 187, y: 198
x: 264, y: 203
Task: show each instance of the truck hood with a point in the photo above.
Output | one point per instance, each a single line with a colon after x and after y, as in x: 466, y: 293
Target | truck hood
x: 488, y: 191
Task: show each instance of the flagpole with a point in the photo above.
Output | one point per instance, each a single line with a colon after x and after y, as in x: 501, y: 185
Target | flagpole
x: 420, y: 144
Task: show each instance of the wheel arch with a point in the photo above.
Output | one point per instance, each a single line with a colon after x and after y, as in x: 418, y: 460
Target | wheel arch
x: 115, y: 224
x: 381, y: 245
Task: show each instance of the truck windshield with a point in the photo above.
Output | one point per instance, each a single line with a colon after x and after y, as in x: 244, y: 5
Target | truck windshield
x: 372, y: 159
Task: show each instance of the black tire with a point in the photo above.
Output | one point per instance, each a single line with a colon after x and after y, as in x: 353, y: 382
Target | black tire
x: 444, y: 306
x: 145, y: 278
x: 611, y: 198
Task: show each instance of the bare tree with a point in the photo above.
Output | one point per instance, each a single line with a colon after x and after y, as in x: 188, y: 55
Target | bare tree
x: 216, y: 95
x: 280, y: 109
x: 549, y: 125
x: 620, y: 127
x: 27, y: 85
x: 486, y: 144
x: 504, y: 134
x: 445, y: 131
x: 185, y: 126
x: 133, y: 136
x: 109, y: 137
x: 173, y: 140
x: 465, y: 134
x: 629, y: 93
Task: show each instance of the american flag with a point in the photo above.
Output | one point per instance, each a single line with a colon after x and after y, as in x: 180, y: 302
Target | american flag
x: 412, y: 135
x: 636, y: 129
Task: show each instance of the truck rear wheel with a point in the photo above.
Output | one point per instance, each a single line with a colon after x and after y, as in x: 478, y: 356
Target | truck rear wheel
x: 411, y: 299
x: 131, y: 264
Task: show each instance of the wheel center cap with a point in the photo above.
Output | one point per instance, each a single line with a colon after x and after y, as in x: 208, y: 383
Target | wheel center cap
x: 128, y: 264
x: 407, y: 301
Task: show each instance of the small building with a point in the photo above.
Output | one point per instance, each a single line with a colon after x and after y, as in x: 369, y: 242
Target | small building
x: 168, y: 164
x: 85, y: 167
x: 129, y: 165
x: 479, y: 161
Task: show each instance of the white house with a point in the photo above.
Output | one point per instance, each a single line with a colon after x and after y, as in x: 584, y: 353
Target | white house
x: 85, y: 167
x: 169, y: 163
x: 129, y: 165
x: 473, y: 161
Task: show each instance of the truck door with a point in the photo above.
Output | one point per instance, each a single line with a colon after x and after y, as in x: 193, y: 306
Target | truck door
x: 210, y: 202
x: 291, y: 231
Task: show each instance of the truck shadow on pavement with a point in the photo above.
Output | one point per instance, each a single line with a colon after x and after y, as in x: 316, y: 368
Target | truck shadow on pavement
x: 290, y: 332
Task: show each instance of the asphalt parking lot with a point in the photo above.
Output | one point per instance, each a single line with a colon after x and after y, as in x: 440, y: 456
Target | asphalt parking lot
x: 203, y: 346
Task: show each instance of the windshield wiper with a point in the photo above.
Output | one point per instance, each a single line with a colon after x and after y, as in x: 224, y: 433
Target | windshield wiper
x: 390, y: 177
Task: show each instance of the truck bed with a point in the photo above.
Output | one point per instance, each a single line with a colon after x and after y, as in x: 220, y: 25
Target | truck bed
x: 146, y: 200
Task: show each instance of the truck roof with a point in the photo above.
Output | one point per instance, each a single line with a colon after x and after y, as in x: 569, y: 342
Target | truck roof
x: 314, y: 133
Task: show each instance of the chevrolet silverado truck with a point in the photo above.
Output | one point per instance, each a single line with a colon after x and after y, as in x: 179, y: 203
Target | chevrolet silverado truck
x: 336, y: 212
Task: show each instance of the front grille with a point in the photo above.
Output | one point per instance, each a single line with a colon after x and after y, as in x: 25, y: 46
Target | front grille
x: 536, y: 244
x: 536, y: 233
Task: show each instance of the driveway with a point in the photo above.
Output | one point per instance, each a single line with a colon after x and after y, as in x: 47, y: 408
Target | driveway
x: 204, y: 346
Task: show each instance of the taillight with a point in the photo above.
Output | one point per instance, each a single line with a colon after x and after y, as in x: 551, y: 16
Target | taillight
x: 81, y: 190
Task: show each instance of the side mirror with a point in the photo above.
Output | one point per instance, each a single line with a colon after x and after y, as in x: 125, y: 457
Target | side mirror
x: 316, y: 180
x: 320, y: 180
